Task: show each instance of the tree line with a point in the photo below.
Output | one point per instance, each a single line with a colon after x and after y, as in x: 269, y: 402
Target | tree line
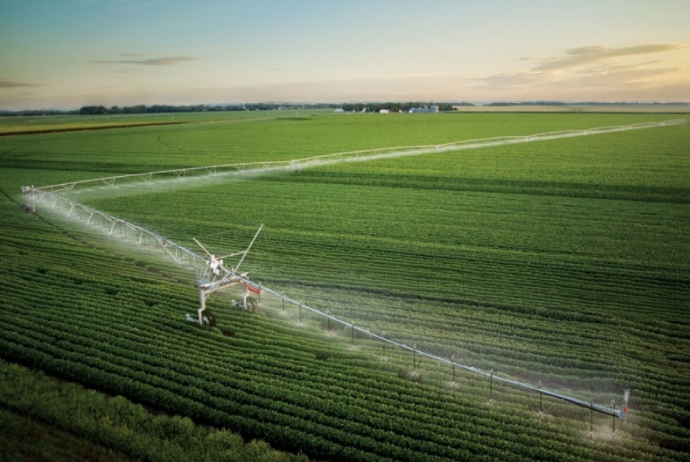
x: 348, y: 107
x: 165, y: 108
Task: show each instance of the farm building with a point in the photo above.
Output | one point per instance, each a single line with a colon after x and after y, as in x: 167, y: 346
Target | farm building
x: 424, y: 110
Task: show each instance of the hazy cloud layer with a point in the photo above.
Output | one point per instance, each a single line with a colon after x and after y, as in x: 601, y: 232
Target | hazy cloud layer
x: 594, y: 54
x: 167, y: 61
x: 589, y: 67
x: 5, y: 83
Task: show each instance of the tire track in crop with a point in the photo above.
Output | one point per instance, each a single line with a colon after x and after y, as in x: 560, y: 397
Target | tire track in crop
x: 160, y: 141
x: 21, y: 146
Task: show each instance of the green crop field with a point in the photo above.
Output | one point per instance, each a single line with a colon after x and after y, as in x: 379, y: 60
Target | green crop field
x: 25, y: 125
x: 564, y: 261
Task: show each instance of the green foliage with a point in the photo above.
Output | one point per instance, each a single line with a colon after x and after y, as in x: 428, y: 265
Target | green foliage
x: 71, y: 423
x: 563, y: 260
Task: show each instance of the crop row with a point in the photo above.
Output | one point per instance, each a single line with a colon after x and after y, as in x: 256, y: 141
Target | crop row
x: 69, y: 315
x: 189, y: 382
x: 499, y: 256
x: 488, y: 349
x: 481, y: 329
x: 227, y: 382
x: 206, y: 144
x: 458, y: 270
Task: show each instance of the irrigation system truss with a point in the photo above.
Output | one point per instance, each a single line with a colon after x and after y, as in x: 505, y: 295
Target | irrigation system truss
x: 48, y: 197
x: 114, y: 226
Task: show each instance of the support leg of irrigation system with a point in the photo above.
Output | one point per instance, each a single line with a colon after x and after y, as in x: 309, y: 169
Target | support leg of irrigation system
x: 613, y: 406
x: 491, y: 387
x: 383, y: 343
x: 541, y: 397
x: 591, y: 417
x: 452, y: 359
x: 202, y: 302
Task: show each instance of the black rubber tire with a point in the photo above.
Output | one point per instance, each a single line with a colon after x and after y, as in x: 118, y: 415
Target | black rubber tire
x: 252, y: 304
x: 207, y: 318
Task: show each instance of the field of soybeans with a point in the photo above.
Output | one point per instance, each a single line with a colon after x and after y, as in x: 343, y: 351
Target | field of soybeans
x: 563, y: 263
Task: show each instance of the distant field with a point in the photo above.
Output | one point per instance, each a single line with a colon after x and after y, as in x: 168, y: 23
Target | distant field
x: 48, y: 124
x: 20, y: 125
x: 565, y: 261
x: 639, y: 109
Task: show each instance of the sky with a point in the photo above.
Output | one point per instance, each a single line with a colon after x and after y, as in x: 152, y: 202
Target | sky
x: 70, y: 53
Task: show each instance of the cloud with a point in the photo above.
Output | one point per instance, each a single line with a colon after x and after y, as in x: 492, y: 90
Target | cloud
x: 591, y: 67
x: 606, y: 68
x: 167, y: 61
x: 617, y: 78
x: 594, y: 54
x: 5, y: 83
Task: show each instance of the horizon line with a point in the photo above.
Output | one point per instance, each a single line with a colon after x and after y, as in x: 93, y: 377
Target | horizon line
x: 540, y: 102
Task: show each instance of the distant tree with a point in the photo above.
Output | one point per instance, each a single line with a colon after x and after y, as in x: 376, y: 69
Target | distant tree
x: 138, y: 109
x: 161, y: 108
x: 92, y: 110
x: 393, y: 107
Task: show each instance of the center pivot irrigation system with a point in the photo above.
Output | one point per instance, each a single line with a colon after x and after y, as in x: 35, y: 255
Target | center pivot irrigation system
x: 212, y: 275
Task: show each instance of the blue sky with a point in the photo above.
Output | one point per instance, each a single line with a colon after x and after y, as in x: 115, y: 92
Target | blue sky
x: 70, y: 53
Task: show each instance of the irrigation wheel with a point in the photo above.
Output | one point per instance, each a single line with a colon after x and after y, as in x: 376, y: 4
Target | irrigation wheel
x: 251, y: 304
x: 207, y: 318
